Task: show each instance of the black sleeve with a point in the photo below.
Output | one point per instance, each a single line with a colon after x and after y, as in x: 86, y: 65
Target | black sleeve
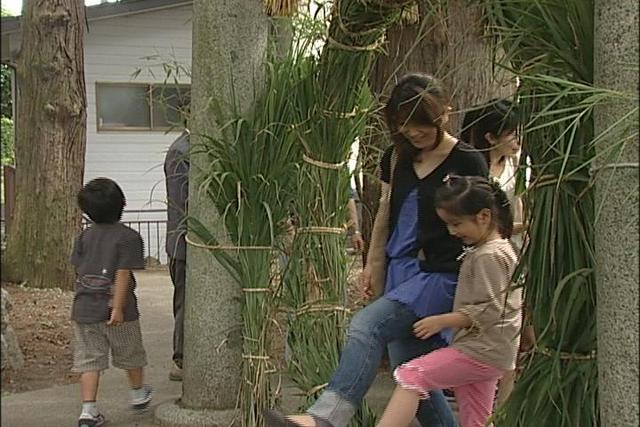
x: 130, y: 252
x: 385, y: 165
x: 475, y: 164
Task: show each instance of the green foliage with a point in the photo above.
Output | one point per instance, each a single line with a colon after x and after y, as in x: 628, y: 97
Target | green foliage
x: 332, y: 105
x: 8, y: 146
x: 250, y: 178
x: 6, y: 101
x: 549, y: 45
x: 313, y: 108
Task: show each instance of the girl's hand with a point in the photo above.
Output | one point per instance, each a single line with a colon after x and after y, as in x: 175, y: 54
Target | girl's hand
x: 428, y: 327
x: 365, y: 284
x: 527, y: 339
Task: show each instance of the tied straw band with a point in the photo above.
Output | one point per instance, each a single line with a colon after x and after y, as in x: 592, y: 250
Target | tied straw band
x: 342, y: 115
x: 321, y: 230
x: 566, y: 356
x: 333, y: 43
x: 228, y: 247
x: 263, y: 359
x: 320, y: 308
x: 323, y: 165
x: 630, y: 165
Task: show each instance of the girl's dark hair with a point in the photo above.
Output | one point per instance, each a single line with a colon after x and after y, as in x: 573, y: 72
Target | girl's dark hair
x: 468, y: 195
x: 102, y: 200
x: 417, y: 99
x: 495, y: 117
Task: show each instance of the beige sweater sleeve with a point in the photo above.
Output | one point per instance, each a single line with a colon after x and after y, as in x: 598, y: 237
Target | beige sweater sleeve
x: 484, y: 303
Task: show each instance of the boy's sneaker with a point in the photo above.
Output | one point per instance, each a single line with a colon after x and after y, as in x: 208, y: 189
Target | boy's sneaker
x: 143, y: 399
x: 86, y: 420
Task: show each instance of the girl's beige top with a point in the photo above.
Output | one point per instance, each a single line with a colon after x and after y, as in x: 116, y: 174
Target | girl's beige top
x: 487, y: 295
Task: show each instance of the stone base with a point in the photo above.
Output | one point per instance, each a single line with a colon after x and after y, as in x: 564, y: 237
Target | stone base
x: 172, y: 414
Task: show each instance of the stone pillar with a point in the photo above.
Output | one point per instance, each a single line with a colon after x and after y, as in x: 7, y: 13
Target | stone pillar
x: 229, y: 48
x: 616, y: 67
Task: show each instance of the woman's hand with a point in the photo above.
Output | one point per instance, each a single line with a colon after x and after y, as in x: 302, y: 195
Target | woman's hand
x: 357, y: 242
x: 428, y: 327
x: 365, y: 284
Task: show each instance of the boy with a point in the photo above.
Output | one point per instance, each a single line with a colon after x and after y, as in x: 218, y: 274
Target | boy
x: 105, y: 310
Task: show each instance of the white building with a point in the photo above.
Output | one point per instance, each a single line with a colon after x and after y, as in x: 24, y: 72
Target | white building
x: 128, y: 121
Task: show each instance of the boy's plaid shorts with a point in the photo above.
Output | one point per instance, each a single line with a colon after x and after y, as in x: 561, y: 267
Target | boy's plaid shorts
x: 92, y: 342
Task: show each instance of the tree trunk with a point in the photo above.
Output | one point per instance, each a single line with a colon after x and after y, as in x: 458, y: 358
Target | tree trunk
x: 50, y: 144
x: 448, y: 43
x: 616, y: 228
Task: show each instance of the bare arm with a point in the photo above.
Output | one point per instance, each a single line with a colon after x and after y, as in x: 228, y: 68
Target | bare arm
x: 376, y: 255
x: 518, y: 215
x: 356, y: 236
x: 429, y: 326
x: 121, y: 287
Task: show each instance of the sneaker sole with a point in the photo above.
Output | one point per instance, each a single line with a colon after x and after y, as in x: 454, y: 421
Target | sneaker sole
x: 145, y: 403
x: 175, y: 377
x: 92, y: 423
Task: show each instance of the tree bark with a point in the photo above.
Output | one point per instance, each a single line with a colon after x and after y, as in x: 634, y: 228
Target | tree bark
x: 50, y: 144
x: 447, y: 42
x: 616, y: 228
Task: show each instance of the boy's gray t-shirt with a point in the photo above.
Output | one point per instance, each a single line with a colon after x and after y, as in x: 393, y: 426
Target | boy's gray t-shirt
x: 100, y: 251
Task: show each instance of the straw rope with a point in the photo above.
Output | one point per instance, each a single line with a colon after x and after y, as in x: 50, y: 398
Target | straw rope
x: 342, y: 115
x: 321, y: 230
x: 321, y: 308
x: 316, y: 309
x: 347, y: 31
x: 256, y: 357
x: 333, y: 43
x: 323, y: 165
x: 316, y: 389
x: 228, y: 247
x: 250, y: 290
x: 629, y: 165
x: 562, y: 355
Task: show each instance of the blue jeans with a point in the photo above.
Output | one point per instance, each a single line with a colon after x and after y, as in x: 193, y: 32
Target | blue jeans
x: 382, y: 323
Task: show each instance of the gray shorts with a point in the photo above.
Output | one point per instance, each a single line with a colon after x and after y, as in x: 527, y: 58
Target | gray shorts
x: 92, y: 342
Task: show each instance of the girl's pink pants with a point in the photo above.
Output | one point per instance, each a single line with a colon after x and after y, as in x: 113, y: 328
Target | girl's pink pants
x: 473, y: 382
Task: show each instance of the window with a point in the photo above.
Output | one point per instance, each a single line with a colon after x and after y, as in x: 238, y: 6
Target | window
x: 137, y: 106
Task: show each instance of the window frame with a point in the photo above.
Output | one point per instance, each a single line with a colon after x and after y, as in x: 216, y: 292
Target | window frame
x: 149, y: 90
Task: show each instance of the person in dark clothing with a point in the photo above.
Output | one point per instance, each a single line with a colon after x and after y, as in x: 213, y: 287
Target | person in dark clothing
x: 420, y: 256
x: 176, y: 170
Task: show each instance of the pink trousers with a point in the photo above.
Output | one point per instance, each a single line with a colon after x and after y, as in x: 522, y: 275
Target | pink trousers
x: 473, y: 382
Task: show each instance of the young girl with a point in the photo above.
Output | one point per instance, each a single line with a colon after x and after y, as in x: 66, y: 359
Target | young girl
x: 419, y: 255
x: 486, y: 310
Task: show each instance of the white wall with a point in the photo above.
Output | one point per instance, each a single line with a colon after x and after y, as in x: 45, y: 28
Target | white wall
x: 114, y: 49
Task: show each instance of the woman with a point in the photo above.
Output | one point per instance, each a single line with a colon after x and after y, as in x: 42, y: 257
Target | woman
x: 493, y: 130
x: 420, y: 256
